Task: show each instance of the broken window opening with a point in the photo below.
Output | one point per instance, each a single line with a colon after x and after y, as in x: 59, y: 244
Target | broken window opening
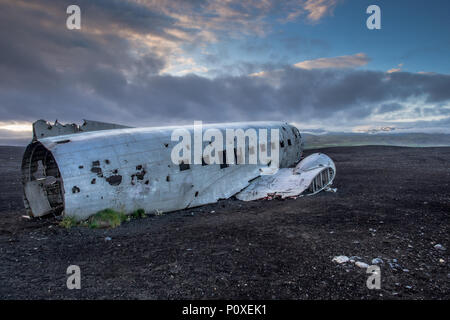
x: 184, y: 166
x: 289, y: 142
x: 223, y: 162
x: 62, y: 141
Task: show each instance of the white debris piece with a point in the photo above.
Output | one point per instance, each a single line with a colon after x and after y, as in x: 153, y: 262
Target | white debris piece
x: 341, y: 259
x: 439, y: 247
x: 377, y: 261
x: 361, y: 265
x: 355, y: 258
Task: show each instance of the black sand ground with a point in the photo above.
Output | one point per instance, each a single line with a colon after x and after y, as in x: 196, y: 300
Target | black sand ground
x: 392, y: 203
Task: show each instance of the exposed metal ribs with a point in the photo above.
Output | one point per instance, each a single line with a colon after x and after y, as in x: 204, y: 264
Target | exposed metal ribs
x: 321, y: 180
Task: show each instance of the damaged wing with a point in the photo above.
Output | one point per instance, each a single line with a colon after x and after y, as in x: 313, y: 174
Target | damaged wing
x: 311, y: 175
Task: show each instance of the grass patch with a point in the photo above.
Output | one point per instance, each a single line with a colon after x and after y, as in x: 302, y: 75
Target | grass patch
x: 68, y: 222
x: 139, y: 213
x: 107, y: 218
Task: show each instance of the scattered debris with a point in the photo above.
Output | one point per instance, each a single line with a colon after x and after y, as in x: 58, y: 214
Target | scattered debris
x: 394, y: 265
x: 355, y: 258
x: 341, y: 259
x: 377, y: 261
x: 108, y: 238
x: 361, y: 265
x: 439, y: 247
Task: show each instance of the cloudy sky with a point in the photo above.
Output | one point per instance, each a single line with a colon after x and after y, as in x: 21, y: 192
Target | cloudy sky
x: 157, y: 62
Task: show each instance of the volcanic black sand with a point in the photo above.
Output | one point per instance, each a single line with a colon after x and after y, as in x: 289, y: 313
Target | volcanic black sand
x: 391, y: 202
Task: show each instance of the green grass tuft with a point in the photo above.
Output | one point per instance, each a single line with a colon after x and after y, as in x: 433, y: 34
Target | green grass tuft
x: 68, y: 222
x: 106, y: 218
x: 139, y: 213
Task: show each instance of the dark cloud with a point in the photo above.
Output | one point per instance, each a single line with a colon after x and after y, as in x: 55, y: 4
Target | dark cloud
x: 50, y: 72
x: 389, y: 107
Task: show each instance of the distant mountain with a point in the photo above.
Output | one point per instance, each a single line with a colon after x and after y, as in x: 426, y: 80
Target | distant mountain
x: 381, y: 138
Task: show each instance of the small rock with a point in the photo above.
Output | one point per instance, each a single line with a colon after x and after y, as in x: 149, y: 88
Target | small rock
x: 405, y: 270
x: 341, y: 259
x: 361, y: 265
x: 212, y: 211
x: 439, y: 247
x: 377, y: 261
x: 355, y: 258
x: 108, y: 238
x: 408, y: 287
x: 441, y: 260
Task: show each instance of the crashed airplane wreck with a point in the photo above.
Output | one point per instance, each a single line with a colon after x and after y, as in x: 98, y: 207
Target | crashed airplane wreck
x: 78, y: 170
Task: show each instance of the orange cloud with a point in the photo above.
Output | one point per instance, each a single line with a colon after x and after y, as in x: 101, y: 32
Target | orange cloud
x: 351, y: 61
x: 398, y: 69
x: 319, y: 8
